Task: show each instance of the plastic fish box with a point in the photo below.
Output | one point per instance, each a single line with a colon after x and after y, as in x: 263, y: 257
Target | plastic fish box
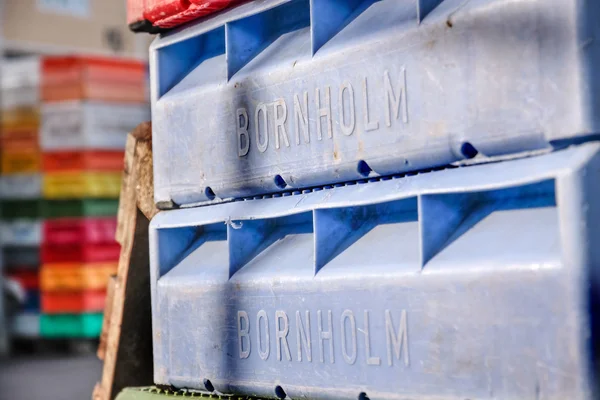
x: 21, y: 186
x: 73, y: 302
x: 93, y: 78
x: 80, y: 252
x: 71, y: 325
x: 27, y: 278
x: 25, y: 325
x: 21, y: 209
x: 77, y: 125
x: 27, y: 141
x: 32, y: 301
x: 69, y: 277
x: 81, y: 184
x: 20, y: 162
x: 20, y: 82
x: 276, y: 95
x: 87, y: 160
x: 425, y: 286
x: 80, y: 208
x: 20, y: 257
x: 78, y: 230
x: 20, y: 232
x: 19, y: 119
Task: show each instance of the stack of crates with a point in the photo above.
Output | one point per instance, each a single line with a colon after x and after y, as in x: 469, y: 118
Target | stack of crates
x: 89, y: 106
x: 378, y: 199
x: 20, y: 229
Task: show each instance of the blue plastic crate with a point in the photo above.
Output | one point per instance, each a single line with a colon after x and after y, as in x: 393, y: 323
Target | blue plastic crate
x: 466, y: 283
x: 278, y: 94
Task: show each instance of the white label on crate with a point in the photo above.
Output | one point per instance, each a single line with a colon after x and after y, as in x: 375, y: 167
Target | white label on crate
x: 73, y: 8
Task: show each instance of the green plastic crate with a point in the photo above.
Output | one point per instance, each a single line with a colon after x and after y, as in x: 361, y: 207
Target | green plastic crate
x: 153, y: 393
x: 13, y: 209
x: 80, y: 208
x: 71, y: 325
x: 34, y: 209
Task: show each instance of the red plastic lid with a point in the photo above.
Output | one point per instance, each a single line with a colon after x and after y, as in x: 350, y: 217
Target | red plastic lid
x: 88, y: 252
x: 171, y: 13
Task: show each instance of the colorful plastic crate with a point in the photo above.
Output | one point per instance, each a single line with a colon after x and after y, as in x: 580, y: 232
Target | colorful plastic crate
x: 71, y: 326
x: 86, y: 160
x: 19, y: 257
x: 72, y: 185
x: 29, y: 279
x: 20, y: 162
x: 81, y: 252
x: 80, y: 208
x: 22, y: 186
x: 73, y: 302
x: 21, y: 232
x: 76, y: 277
x: 77, y: 230
x: 95, y: 78
x: 92, y: 125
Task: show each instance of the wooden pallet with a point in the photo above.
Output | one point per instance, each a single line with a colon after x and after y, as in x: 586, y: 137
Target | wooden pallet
x: 126, y: 339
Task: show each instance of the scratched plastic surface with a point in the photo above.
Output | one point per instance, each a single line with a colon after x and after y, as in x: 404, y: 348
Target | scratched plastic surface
x: 466, y: 283
x: 278, y: 94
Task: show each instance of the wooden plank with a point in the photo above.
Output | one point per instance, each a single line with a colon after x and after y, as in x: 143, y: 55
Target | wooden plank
x: 127, y: 345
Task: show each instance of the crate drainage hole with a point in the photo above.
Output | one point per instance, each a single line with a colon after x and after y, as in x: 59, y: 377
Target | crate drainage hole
x: 208, y: 192
x: 279, y: 392
x: 468, y: 150
x: 209, y: 386
x: 363, y: 396
x: 363, y: 168
x: 279, y: 182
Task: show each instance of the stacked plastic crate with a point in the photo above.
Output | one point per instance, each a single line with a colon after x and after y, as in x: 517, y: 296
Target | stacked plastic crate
x: 89, y: 106
x: 20, y: 229
x: 378, y: 199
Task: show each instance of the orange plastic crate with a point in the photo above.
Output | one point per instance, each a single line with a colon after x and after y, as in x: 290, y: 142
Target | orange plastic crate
x: 93, y: 78
x: 20, y: 162
x: 27, y: 118
x: 73, y: 302
x: 76, y: 277
x: 91, y: 160
x: 24, y: 141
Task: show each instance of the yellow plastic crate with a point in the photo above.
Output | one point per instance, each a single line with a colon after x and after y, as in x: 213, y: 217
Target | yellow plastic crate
x: 20, y: 162
x: 76, y: 185
x: 66, y: 277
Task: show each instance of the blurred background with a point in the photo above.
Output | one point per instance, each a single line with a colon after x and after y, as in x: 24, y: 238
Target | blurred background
x: 74, y: 82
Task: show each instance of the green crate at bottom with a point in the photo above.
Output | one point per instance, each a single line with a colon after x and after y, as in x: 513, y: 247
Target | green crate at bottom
x: 61, y: 326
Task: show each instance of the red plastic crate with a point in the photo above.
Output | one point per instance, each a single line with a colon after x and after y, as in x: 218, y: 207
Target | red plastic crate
x: 172, y: 13
x: 29, y: 280
x: 79, y: 230
x: 83, y: 252
x: 73, y: 302
x: 85, y: 160
x: 93, y: 78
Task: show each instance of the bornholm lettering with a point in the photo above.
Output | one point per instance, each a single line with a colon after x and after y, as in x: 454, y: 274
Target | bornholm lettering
x: 314, y: 115
x: 296, y: 331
